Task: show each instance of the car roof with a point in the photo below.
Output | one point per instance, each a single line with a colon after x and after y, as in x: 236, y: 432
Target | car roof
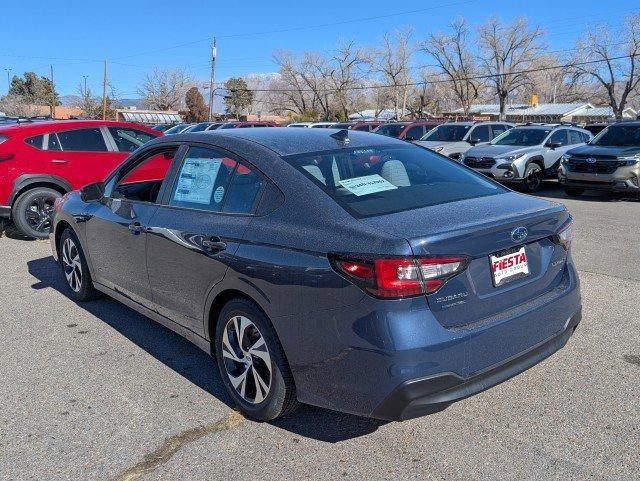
x: 290, y: 141
x: 54, y: 125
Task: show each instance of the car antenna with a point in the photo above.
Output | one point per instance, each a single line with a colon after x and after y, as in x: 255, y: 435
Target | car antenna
x: 341, y: 136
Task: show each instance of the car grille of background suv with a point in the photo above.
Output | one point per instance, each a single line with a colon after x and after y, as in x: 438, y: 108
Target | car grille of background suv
x: 479, y: 162
x: 603, y: 165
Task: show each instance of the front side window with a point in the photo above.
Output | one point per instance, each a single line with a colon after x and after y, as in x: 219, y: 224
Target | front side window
x: 390, y: 130
x: 128, y: 140
x: 480, y: 134
x: 447, y: 133
x: 560, y: 137
x: 382, y: 180
x: 142, y: 183
x: 522, y: 136
x: 203, y: 180
x: 618, y: 136
x: 82, y: 140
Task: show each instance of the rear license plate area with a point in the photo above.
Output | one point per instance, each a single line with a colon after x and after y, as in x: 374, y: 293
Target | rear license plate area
x: 508, y: 266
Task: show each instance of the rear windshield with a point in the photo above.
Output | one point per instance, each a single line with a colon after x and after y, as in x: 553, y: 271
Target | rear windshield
x: 618, y: 136
x: 390, y: 130
x: 526, y: 137
x: 447, y: 133
x: 382, y: 180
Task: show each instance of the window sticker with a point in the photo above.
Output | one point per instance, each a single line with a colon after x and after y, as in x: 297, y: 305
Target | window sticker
x: 369, y: 184
x: 218, y: 194
x: 196, y: 180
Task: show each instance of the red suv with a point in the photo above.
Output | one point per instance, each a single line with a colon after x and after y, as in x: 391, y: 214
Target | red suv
x: 408, y: 131
x: 40, y: 161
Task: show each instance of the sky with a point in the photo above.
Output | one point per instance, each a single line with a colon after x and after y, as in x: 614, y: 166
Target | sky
x: 138, y: 36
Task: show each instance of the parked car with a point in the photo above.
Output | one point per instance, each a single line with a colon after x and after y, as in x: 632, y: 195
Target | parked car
x: 366, y: 125
x: 40, y: 161
x: 204, y: 126
x: 388, y: 291
x: 408, y: 131
x: 454, y: 138
x: 244, y: 125
x: 610, y: 162
x: 304, y: 125
x: 177, y: 129
x: 321, y: 125
x: 526, y: 154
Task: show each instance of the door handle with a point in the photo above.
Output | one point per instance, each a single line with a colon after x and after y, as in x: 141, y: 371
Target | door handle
x: 214, y: 244
x: 135, y: 228
x: 59, y: 161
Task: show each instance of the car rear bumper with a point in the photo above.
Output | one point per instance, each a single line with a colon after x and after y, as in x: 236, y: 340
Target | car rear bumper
x: 5, y: 211
x: 418, y: 397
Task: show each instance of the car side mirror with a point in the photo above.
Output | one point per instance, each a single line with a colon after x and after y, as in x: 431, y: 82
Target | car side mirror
x: 554, y: 145
x: 474, y: 141
x: 92, y: 192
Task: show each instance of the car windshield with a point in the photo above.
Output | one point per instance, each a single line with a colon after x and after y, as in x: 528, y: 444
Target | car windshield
x: 390, y: 130
x: 447, y: 133
x: 525, y: 137
x: 618, y: 136
x: 375, y: 181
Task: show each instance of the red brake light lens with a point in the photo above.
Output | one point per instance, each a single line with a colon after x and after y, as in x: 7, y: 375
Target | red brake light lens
x: 396, y: 278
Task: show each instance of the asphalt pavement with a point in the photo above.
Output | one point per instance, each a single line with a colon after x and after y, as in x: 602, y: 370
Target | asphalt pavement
x: 96, y: 391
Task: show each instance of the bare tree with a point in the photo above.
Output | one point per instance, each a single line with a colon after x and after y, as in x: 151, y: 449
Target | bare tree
x: 289, y: 91
x: 507, y: 53
x: 619, y: 77
x: 348, y: 63
x: 392, y: 62
x: 456, y: 61
x: 165, y: 89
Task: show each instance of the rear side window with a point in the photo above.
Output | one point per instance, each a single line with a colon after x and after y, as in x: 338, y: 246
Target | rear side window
x: 203, y: 180
x: 414, y: 133
x: 82, y: 140
x: 480, y: 133
x: 575, y: 137
x: 497, y: 129
x: 128, y: 140
x: 243, y: 190
x: 560, y: 136
x: 35, y: 141
x: 382, y: 180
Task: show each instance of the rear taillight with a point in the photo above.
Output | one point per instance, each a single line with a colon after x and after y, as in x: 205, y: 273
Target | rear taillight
x: 565, y: 235
x: 395, y: 278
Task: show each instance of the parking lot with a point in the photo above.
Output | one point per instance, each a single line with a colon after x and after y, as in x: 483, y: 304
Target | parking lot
x: 97, y: 391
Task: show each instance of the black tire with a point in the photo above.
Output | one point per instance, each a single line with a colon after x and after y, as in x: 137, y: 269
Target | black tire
x: 573, y: 191
x: 280, y: 398
x: 31, y: 212
x: 69, y: 253
x: 533, y: 176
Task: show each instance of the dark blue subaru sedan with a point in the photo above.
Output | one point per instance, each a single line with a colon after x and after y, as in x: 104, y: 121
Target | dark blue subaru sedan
x: 337, y: 268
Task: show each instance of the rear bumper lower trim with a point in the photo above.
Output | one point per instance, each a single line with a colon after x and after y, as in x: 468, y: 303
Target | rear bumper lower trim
x: 5, y: 211
x: 418, y: 397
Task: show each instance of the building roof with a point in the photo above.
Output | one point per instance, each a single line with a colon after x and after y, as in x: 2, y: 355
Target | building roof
x: 604, y: 112
x: 150, y: 116
x: 577, y: 109
x: 370, y: 114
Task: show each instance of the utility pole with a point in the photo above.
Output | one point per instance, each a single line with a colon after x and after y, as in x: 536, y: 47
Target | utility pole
x: 85, y: 84
x: 8, y: 70
x: 214, y: 54
x: 52, y: 107
x: 104, y: 93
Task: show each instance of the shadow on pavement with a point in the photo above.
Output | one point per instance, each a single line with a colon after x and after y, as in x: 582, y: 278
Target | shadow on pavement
x: 7, y: 229
x: 195, y: 365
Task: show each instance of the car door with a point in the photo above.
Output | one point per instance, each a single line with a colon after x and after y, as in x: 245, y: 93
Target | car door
x: 552, y: 156
x: 81, y: 156
x: 116, y: 229
x: 194, y: 235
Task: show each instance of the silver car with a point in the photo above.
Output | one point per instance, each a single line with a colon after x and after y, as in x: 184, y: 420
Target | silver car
x: 526, y: 154
x: 454, y: 138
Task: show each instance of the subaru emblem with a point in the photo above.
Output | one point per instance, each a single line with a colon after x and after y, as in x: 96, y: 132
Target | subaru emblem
x: 519, y: 234
x: 591, y: 160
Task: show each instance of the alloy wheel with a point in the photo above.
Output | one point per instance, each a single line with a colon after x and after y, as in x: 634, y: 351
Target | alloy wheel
x: 38, y: 213
x: 246, y: 359
x: 533, y: 180
x: 72, y: 265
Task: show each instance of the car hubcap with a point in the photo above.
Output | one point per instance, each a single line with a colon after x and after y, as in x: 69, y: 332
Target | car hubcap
x: 72, y: 265
x: 246, y: 359
x: 38, y: 214
x: 533, y: 179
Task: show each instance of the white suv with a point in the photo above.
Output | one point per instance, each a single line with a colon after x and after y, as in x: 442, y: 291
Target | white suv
x: 526, y: 154
x: 454, y: 138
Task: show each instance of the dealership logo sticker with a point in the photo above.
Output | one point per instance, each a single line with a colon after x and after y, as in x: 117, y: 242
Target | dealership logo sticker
x: 510, y: 266
x: 519, y: 234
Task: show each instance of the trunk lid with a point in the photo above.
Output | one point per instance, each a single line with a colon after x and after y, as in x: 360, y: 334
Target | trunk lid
x: 478, y: 228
